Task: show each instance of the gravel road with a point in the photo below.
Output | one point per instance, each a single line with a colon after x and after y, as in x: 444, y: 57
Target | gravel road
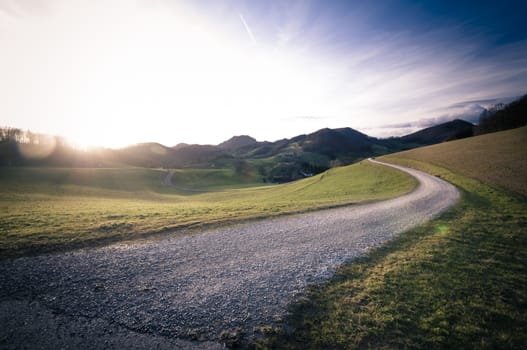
x: 192, y: 291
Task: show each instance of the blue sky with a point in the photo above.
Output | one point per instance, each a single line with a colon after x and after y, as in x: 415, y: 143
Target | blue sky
x: 117, y: 72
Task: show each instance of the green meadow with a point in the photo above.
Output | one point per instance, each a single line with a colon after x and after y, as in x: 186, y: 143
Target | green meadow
x: 457, y: 282
x: 49, y: 209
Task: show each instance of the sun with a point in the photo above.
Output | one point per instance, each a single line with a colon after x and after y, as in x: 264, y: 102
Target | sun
x: 173, y: 77
x: 92, y: 136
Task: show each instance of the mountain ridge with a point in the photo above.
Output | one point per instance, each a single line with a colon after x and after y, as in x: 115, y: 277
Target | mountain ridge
x: 291, y: 158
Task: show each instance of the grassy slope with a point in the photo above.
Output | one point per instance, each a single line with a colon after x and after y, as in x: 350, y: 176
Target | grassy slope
x: 214, y: 179
x: 459, y: 281
x: 46, y: 209
x: 499, y: 158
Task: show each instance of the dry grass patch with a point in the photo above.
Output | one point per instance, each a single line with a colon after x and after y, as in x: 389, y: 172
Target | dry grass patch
x: 499, y: 158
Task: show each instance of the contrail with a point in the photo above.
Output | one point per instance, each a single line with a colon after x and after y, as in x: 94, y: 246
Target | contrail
x: 247, y: 28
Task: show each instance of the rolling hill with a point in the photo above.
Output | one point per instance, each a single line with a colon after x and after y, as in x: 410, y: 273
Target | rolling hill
x: 456, y: 129
x: 498, y: 158
x: 503, y: 117
x: 291, y: 159
x: 279, y: 161
x: 237, y: 142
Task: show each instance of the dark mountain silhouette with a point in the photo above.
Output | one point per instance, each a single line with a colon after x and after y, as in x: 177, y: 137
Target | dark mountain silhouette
x: 155, y: 155
x: 503, y: 117
x: 195, y: 155
x: 149, y: 155
x: 329, y: 142
x: 289, y: 158
x: 278, y: 161
x: 456, y: 129
x: 237, y: 142
x: 338, y: 142
x: 180, y: 145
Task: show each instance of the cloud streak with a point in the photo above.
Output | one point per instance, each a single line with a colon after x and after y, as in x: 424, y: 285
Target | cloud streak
x: 271, y: 69
x: 247, y: 28
x: 468, y: 110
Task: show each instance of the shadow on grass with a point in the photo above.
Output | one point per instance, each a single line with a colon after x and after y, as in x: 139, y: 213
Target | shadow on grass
x: 459, y: 281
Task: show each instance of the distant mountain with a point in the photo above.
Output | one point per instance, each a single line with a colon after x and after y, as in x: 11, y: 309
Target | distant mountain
x: 196, y: 155
x: 148, y: 155
x: 237, y: 142
x: 279, y: 161
x: 155, y: 155
x: 337, y: 143
x: 503, y: 117
x: 180, y: 145
x: 453, y: 130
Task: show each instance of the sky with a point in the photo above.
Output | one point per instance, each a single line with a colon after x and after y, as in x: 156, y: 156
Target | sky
x: 117, y: 72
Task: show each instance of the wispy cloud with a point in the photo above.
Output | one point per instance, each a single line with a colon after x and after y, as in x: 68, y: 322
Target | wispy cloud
x: 380, y: 70
x: 247, y: 28
x: 468, y: 110
x: 271, y: 69
x: 485, y: 102
x: 425, y: 122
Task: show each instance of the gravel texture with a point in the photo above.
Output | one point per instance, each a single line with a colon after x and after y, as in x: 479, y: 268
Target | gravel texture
x: 196, y: 291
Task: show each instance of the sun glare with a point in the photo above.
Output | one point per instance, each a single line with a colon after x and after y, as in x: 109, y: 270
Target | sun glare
x: 182, y: 76
x: 112, y: 73
x: 165, y: 76
x: 95, y: 135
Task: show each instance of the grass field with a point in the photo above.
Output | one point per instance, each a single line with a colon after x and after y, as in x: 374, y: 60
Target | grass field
x: 45, y: 209
x: 214, y: 179
x: 457, y: 282
x: 497, y: 159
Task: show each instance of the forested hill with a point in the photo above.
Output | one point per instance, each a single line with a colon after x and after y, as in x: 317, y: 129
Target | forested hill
x: 503, y: 117
x: 318, y: 150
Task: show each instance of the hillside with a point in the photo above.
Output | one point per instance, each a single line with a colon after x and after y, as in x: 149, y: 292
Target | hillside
x: 279, y: 161
x: 146, y: 155
x: 499, y: 158
x: 291, y: 159
x: 456, y: 129
x: 237, y: 142
x: 503, y: 117
x: 195, y: 155
x: 51, y: 208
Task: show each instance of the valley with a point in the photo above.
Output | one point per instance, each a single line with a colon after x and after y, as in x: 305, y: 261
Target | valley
x: 47, y: 209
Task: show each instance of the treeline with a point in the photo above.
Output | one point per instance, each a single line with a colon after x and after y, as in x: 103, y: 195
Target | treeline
x: 26, y: 148
x: 9, y: 134
x: 503, y: 117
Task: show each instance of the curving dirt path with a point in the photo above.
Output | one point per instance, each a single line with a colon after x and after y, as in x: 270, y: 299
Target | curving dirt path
x: 184, y: 292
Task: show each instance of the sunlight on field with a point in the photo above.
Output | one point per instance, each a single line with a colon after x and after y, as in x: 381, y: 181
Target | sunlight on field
x: 46, y: 208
